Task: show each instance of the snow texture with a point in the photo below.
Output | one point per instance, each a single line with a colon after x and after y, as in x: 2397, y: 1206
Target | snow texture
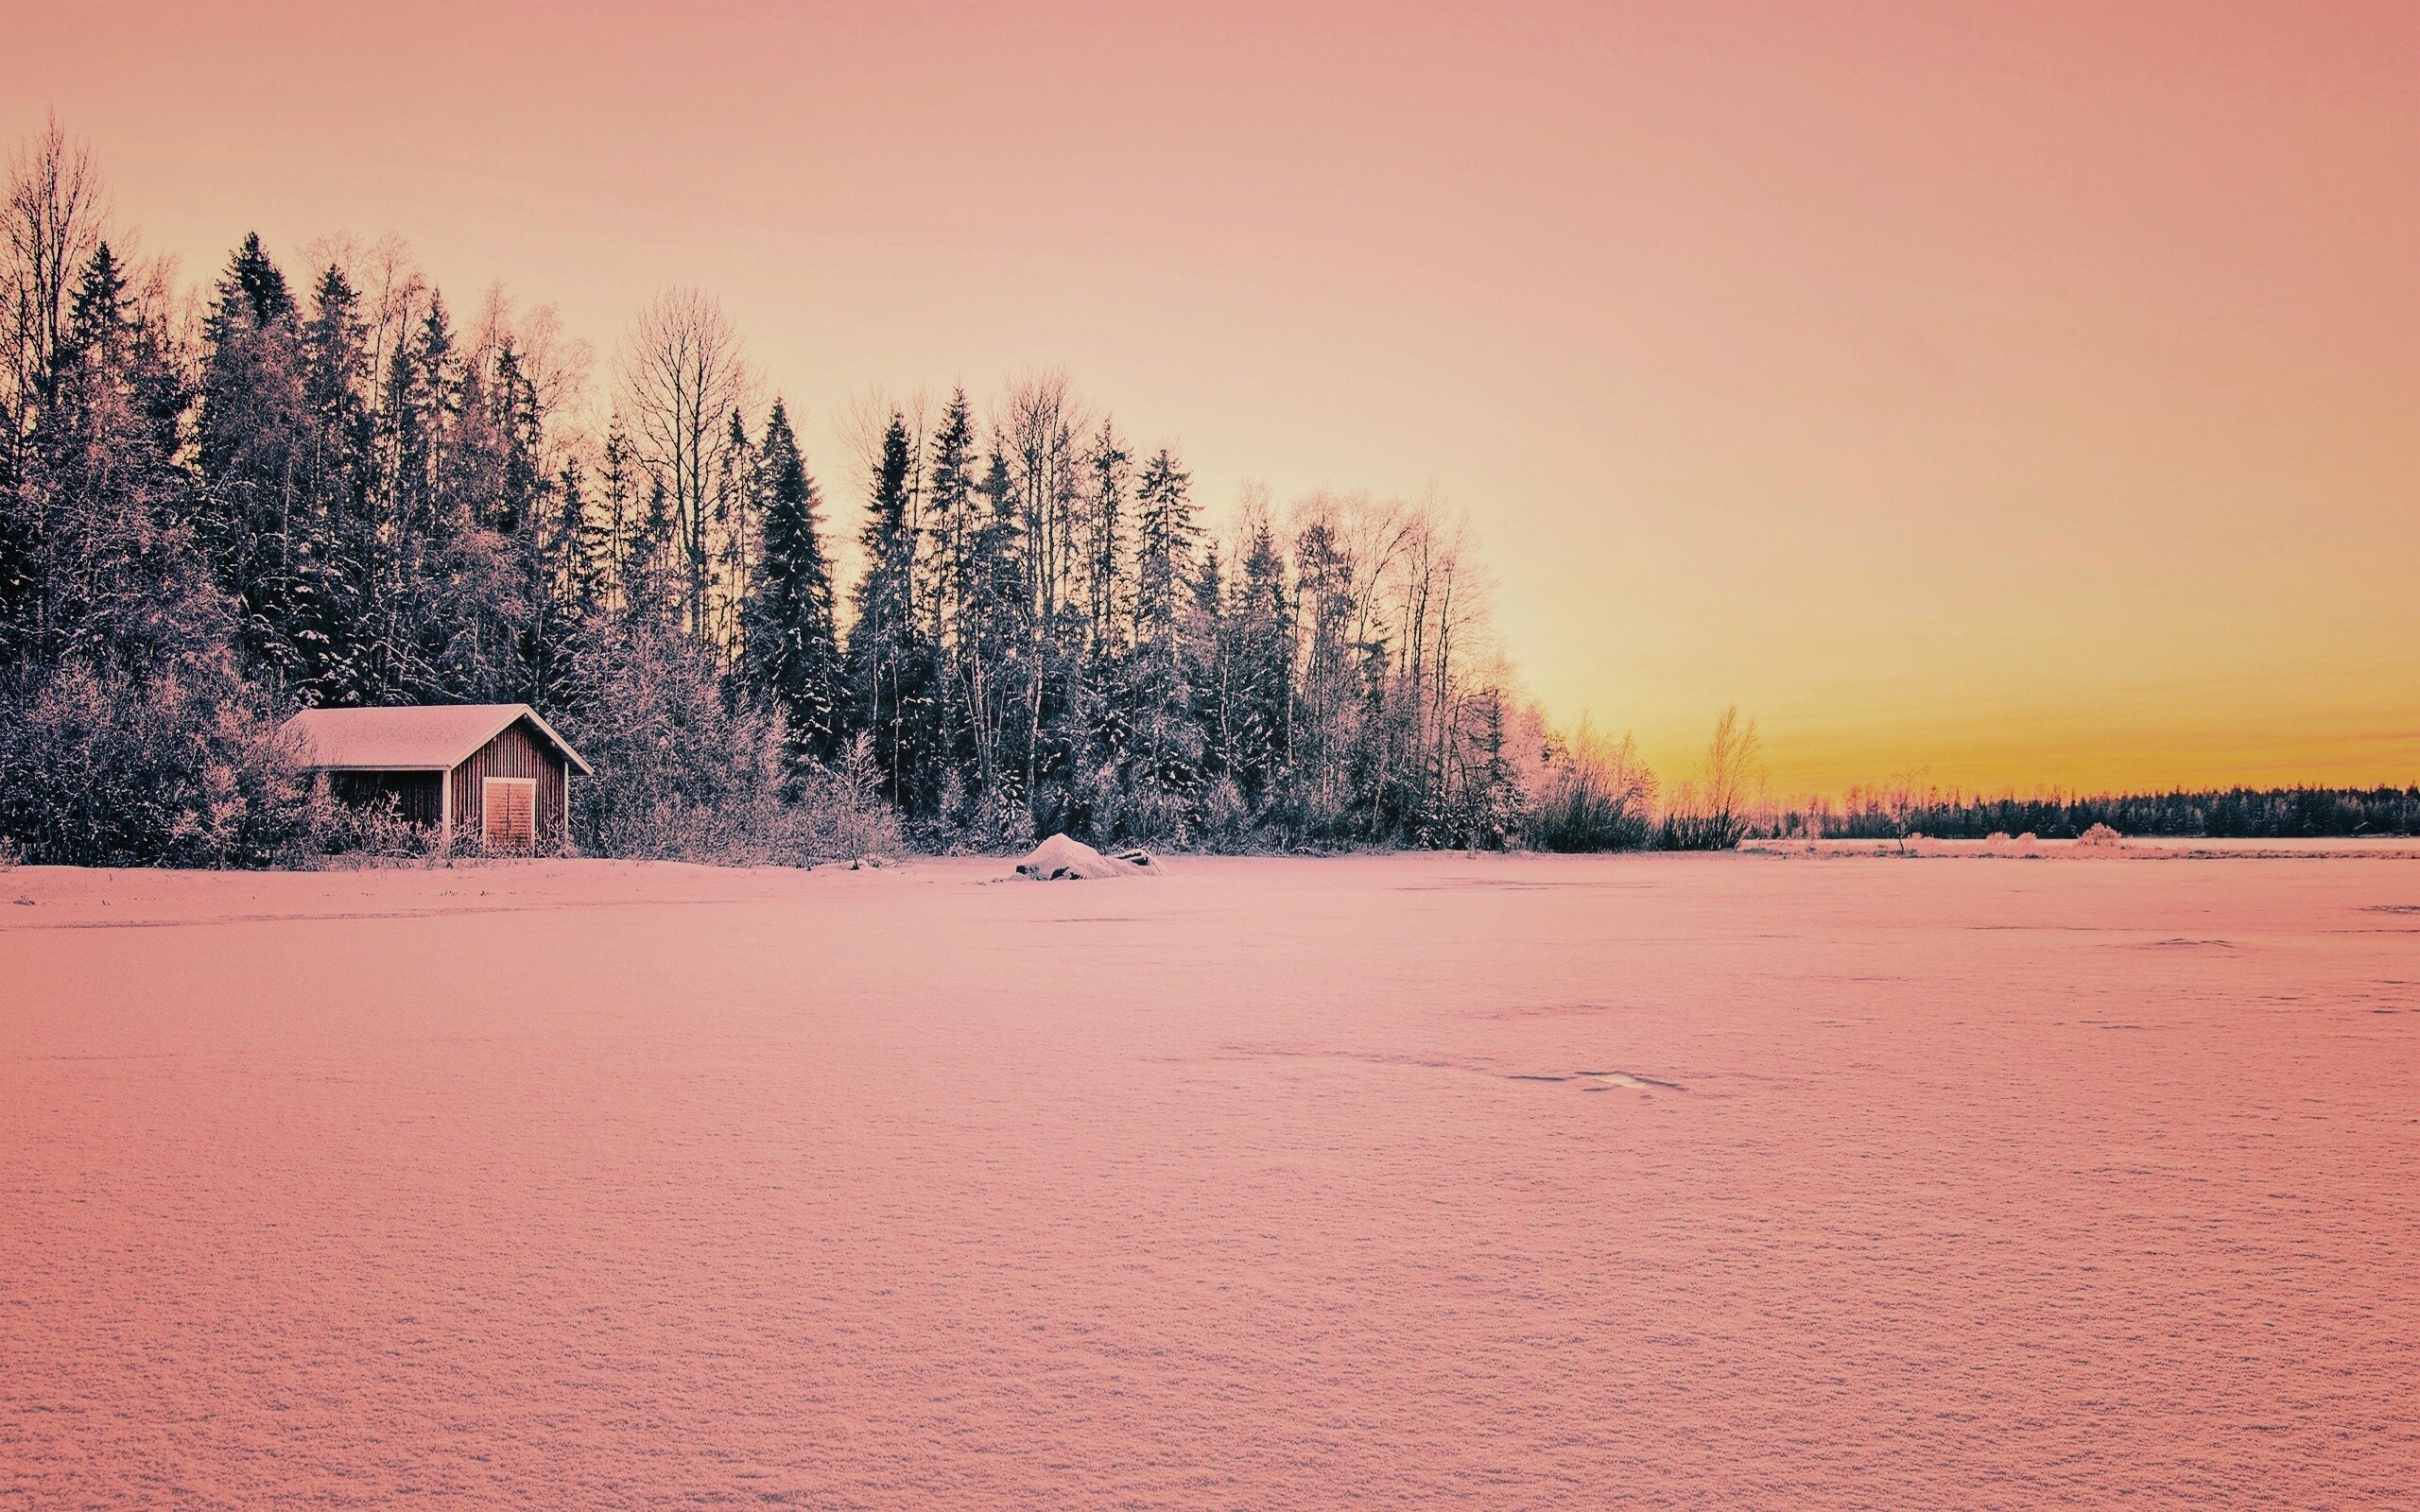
x: 1681, y: 1181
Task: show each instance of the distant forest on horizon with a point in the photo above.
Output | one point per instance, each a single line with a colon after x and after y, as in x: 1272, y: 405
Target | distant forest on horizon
x: 1892, y: 810
x: 316, y: 482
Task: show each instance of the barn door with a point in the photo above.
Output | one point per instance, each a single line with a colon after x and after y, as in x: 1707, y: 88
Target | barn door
x: 510, y: 820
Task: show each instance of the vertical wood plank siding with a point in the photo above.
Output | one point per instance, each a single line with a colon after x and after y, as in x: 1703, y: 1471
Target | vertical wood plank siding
x: 415, y: 793
x: 516, y: 752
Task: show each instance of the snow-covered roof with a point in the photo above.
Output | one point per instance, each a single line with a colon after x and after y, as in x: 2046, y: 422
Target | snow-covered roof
x: 433, y: 739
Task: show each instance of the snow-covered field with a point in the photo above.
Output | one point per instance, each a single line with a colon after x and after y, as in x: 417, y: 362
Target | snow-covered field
x: 1790, y: 1181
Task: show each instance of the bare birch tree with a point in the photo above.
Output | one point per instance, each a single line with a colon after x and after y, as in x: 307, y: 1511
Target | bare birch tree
x: 684, y: 374
x: 51, y: 223
x: 1714, y: 813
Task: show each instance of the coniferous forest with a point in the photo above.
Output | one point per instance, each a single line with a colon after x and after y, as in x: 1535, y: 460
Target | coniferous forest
x: 317, y: 481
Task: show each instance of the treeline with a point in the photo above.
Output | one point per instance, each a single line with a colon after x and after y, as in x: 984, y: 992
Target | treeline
x: 326, y: 485
x: 1897, y: 810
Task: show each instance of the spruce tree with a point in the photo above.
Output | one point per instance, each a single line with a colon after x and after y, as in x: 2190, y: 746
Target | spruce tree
x: 994, y: 646
x: 888, y: 668
x: 1263, y: 639
x: 734, y: 517
x: 790, y: 655
x: 1165, y: 540
x: 1103, y: 529
x: 250, y: 442
x: 617, y: 475
x: 1166, y: 758
x: 262, y: 284
x: 99, y: 568
x: 953, y: 521
x: 335, y: 538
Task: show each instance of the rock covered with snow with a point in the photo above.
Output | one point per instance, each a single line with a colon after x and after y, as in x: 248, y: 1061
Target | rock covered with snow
x: 1060, y: 859
x: 2100, y: 838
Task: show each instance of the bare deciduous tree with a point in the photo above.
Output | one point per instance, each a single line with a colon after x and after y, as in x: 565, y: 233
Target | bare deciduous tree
x: 50, y: 224
x: 684, y: 374
x: 1720, y: 804
x: 1595, y: 793
x: 1039, y: 423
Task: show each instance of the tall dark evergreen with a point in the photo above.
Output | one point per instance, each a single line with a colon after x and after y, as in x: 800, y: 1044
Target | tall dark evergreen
x: 260, y: 282
x: 994, y: 657
x: 103, y: 568
x: 1167, y: 751
x: 335, y: 535
x: 252, y: 446
x: 1103, y: 529
x: 889, y: 665
x: 951, y: 521
x: 1261, y: 644
x: 792, y: 657
x: 733, y: 518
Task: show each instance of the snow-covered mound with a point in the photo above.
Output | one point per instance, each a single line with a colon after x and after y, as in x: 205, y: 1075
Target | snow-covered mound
x: 1060, y: 859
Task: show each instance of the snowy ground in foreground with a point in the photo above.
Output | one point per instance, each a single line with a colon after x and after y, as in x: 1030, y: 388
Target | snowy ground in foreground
x: 1673, y: 1180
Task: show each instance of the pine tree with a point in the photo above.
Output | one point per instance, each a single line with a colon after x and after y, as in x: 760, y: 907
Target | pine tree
x: 1166, y: 759
x: 951, y: 521
x: 1263, y: 635
x: 790, y: 658
x: 888, y: 665
x: 570, y: 550
x: 335, y: 538
x: 516, y: 433
x: 1165, y: 540
x: 994, y: 646
x: 1103, y: 529
x: 251, y: 441
x: 1213, y: 668
x: 617, y: 475
x: 100, y: 570
x: 1496, y: 801
x: 97, y: 315
x: 261, y: 283
x: 434, y: 396
x: 578, y: 549
x: 655, y: 586
x: 731, y: 539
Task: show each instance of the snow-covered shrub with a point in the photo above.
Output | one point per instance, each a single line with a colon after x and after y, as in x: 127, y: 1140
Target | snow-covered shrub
x: 839, y: 812
x: 678, y: 774
x: 682, y: 774
x: 1226, y: 820
x: 1595, y: 793
x: 340, y: 832
x: 184, y: 767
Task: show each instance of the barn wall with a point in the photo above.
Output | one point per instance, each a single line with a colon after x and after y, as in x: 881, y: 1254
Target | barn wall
x: 415, y: 793
x: 517, y: 752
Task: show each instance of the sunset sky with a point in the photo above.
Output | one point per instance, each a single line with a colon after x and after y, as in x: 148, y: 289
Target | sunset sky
x: 2027, y: 394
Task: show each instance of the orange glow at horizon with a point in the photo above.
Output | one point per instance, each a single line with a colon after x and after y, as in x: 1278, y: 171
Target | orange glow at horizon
x: 2027, y: 396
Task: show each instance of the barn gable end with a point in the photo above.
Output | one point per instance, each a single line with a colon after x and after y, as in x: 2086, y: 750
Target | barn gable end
x: 516, y: 751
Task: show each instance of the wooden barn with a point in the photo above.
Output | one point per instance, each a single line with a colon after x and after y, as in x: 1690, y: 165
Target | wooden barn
x: 493, y: 773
